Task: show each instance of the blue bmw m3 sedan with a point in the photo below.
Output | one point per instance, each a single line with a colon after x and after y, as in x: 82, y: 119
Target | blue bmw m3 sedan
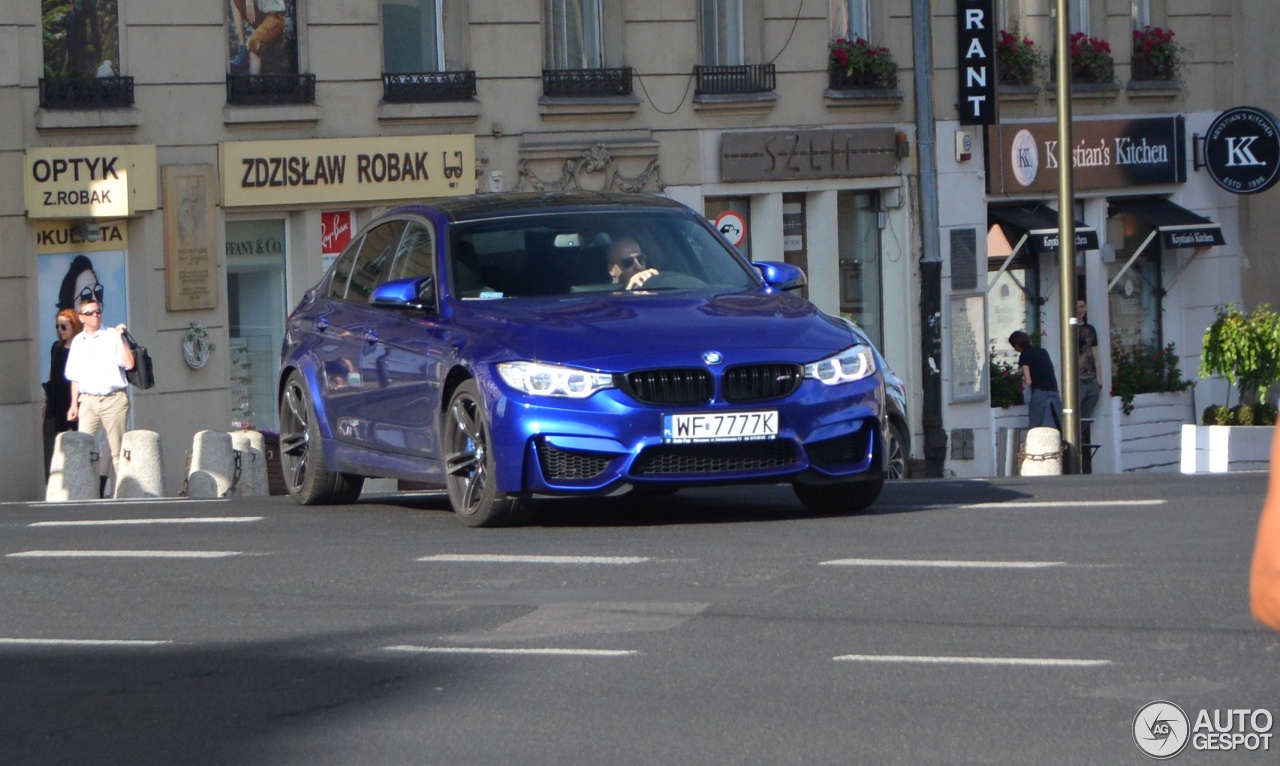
x: 511, y: 347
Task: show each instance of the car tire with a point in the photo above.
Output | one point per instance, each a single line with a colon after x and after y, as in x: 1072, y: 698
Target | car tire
x: 841, y: 498
x: 895, y: 464
x: 302, y: 460
x: 470, y: 473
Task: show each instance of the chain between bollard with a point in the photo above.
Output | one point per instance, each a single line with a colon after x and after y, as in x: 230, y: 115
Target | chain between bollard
x: 1044, y: 456
x: 186, y: 476
x: 235, y: 475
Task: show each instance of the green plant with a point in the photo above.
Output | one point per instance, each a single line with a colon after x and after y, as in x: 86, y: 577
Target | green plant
x: 859, y: 57
x: 1018, y: 60
x: 1244, y: 349
x: 1155, y: 55
x: 1136, y: 370
x: 1091, y: 59
x: 1006, y: 382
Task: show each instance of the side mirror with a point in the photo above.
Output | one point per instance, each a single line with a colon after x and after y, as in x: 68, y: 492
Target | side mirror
x: 412, y: 293
x: 781, y: 276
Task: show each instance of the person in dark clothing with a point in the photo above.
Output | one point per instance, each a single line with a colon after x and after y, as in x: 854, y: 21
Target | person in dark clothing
x: 57, y: 389
x: 1087, y: 366
x: 1044, y: 403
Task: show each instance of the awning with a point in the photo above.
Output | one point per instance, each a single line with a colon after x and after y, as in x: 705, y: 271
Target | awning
x: 1040, y: 224
x: 1178, y: 226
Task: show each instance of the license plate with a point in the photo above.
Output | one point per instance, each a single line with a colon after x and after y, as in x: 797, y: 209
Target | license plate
x: 719, y: 427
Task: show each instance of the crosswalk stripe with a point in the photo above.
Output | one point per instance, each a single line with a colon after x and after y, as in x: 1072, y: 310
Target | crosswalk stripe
x: 943, y: 564
x: 128, y: 522
x: 125, y: 554
x: 79, y: 642
x: 927, y: 660
x: 493, y: 558
x: 552, y: 652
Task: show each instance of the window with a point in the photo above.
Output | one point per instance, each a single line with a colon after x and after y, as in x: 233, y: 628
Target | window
x: 1077, y: 15
x: 574, y: 34
x: 859, y: 232
x: 850, y: 19
x: 256, y: 307
x: 1013, y: 301
x: 82, y: 56
x: 412, y: 37
x: 262, y: 37
x: 1134, y: 299
x: 722, y: 38
x: 1140, y: 10
x: 372, y: 266
x: 416, y: 255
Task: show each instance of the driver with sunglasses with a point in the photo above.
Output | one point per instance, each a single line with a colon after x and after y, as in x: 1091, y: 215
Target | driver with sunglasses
x: 628, y: 265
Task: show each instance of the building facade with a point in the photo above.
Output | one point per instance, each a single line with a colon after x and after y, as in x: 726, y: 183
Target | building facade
x: 201, y: 163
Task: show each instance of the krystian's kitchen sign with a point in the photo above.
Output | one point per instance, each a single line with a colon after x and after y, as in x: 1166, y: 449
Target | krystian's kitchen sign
x: 1106, y: 154
x: 346, y: 170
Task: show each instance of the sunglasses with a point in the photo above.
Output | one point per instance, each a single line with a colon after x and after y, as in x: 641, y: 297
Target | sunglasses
x: 633, y: 261
x: 62, y: 326
x: 92, y: 292
x: 94, y: 313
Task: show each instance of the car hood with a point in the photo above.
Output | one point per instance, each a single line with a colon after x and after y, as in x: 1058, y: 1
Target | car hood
x: 612, y: 330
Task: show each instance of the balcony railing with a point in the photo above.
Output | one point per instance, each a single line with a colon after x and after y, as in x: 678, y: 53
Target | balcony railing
x: 261, y: 89
x: 743, y: 78
x: 421, y: 87
x: 86, y: 93
x: 587, y: 82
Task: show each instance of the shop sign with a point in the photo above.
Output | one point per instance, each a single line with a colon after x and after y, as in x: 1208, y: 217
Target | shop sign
x: 335, y: 234
x: 807, y: 154
x: 72, y: 237
x: 270, y: 173
x: 89, y: 181
x: 1106, y: 154
x: 975, y: 47
x: 1242, y: 150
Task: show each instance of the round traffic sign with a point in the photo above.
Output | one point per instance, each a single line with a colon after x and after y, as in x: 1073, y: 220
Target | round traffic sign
x: 732, y: 226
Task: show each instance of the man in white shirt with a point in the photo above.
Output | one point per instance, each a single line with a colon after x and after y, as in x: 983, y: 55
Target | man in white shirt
x: 95, y: 366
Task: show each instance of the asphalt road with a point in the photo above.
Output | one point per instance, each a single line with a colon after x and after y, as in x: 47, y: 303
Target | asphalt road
x: 1011, y: 621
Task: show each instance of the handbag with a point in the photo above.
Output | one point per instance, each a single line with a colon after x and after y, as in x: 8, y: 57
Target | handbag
x: 142, y: 374
x: 1264, y: 577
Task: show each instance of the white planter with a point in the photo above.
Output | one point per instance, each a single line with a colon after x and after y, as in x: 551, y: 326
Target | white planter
x: 1151, y: 436
x: 1222, y: 449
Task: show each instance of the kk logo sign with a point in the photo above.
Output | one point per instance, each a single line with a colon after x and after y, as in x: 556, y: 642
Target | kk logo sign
x: 1242, y: 150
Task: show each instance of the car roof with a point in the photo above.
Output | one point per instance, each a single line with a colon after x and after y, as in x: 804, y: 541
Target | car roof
x: 480, y: 206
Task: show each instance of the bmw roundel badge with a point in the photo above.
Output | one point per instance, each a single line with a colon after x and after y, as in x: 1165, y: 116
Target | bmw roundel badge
x: 712, y: 357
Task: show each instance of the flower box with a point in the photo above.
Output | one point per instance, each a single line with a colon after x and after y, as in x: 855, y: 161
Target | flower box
x: 1224, y: 449
x: 1150, y: 436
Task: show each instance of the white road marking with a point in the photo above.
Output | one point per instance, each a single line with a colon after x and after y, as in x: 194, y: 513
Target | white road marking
x: 126, y: 522
x: 943, y: 564
x: 1067, y: 504
x: 551, y: 652
x: 79, y: 642
x: 494, y: 558
x: 1047, y: 662
x: 126, y: 554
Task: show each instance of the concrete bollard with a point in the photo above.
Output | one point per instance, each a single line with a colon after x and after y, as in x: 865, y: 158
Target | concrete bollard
x: 141, y: 470
x: 1043, y: 453
x: 253, y: 464
x: 213, y: 463
x: 73, y: 472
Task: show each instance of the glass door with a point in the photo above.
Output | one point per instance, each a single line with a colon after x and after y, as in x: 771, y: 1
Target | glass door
x: 256, y: 312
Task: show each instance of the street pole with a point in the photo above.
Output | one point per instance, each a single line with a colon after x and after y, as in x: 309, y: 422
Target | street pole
x: 1067, y: 247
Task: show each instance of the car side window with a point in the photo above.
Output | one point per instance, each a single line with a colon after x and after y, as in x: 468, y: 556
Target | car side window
x: 373, y: 264
x: 416, y: 255
x: 342, y: 270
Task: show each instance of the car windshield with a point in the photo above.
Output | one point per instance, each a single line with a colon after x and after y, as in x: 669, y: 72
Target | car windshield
x: 592, y: 251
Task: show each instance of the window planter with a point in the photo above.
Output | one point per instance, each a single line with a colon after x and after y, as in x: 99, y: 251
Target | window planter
x: 1150, y: 437
x: 1223, y: 449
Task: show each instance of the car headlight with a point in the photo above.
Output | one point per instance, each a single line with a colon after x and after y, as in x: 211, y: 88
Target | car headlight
x: 553, y: 380
x: 852, y: 364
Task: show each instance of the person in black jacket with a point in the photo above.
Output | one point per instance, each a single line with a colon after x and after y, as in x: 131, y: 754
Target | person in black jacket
x: 57, y: 389
x: 1044, y: 403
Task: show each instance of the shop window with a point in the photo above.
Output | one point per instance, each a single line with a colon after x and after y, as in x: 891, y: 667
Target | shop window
x: 740, y: 209
x: 1135, y: 294
x: 861, y: 297
x: 256, y: 309
x: 1013, y: 300
x: 82, y: 56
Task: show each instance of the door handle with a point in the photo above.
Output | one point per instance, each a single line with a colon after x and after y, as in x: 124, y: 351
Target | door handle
x: 322, y: 324
x: 371, y: 336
